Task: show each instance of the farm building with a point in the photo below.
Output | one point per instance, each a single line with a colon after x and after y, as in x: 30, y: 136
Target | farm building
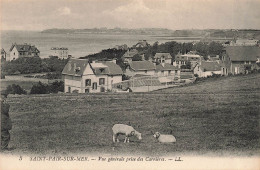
x: 240, y: 59
x: 80, y: 76
x: 163, y: 58
x: 61, y: 53
x: 207, y: 68
x: 23, y: 50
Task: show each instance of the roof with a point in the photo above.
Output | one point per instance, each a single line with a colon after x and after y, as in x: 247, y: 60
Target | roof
x: 160, y: 55
x: 106, y: 68
x: 24, y: 48
x: 142, y: 43
x: 210, y: 66
x: 75, y: 67
x: 243, y: 53
x: 166, y: 67
x: 142, y: 65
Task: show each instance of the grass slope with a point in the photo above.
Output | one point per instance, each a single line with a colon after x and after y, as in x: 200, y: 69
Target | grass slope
x: 215, y: 117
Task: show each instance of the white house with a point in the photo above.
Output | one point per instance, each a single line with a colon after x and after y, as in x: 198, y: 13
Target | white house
x: 61, y: 53
x: 80, y: 76
x: 23, y: 50
x: 207, y: 68
x: 163, y: 58
x: 184, y: 59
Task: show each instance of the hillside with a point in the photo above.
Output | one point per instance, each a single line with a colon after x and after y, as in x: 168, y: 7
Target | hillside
x: 150, y: 31
x: 219, y: 117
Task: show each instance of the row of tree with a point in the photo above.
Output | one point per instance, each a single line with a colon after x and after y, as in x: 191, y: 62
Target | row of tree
x: 172, y: 47
x: 39, y: 88
x: 33, y: 65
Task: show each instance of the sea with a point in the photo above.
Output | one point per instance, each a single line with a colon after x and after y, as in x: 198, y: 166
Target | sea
x: 79, y: 45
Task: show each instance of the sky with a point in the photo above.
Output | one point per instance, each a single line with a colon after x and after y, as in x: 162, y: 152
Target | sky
x: 171, y: 14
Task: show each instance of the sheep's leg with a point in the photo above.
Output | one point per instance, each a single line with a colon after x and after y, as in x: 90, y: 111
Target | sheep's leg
x: 114, y: 138
x: 117, y: 138
x: 125, y: 139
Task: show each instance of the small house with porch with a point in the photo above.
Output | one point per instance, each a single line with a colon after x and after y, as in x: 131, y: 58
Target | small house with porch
x: 207, y: 68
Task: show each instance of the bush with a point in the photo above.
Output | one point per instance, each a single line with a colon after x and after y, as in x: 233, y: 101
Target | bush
x: 39, y: 88
x: 42, y: 88
x: 15, y: 89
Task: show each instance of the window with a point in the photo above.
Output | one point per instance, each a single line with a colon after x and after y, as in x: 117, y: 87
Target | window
x: 86, y: 90
x: 169, y: 72
x: 101, y: 81
x: 88, y: 82
x: 69, y: 89
x: 176, y: 71
x: 94, y: 86
x: 145, y: 71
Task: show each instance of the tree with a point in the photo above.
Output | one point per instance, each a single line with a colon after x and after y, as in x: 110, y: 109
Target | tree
x: 215, y: 48
x: 39, y: 88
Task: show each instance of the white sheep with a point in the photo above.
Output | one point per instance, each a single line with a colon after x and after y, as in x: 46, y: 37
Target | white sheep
x: 124, y: 130
x: 164, y: 138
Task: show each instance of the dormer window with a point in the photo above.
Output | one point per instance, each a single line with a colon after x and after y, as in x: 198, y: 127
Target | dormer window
x: 102, y: 70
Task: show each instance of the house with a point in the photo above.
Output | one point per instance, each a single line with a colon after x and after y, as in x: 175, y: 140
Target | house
x: 207, y: 68
x: 163, y: 58
x: 141, y: 68
x: 80, y: 76
x: 165, y: 69
x: 129, y: 54
x: 3, y: 55
x: 141, y: 44
x: 23, y: 50
x: 240, y: 59
x: 180, y: 60
x: 61, y: 53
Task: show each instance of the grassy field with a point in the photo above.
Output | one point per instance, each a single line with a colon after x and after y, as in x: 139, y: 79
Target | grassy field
x: 216, y: 117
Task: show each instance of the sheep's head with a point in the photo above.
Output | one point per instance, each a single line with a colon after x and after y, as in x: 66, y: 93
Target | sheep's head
x: 138, y: 135
x: 156, y: 135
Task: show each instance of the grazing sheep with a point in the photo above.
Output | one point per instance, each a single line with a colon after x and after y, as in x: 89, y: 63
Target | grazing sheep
x: 124, y: 130
x: 164, y: 138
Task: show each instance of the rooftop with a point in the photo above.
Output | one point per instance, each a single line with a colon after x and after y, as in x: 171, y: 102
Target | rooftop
x: 243, y: 53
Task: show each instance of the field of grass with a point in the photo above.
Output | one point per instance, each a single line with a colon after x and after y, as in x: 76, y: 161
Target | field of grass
x: 214, y: 117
